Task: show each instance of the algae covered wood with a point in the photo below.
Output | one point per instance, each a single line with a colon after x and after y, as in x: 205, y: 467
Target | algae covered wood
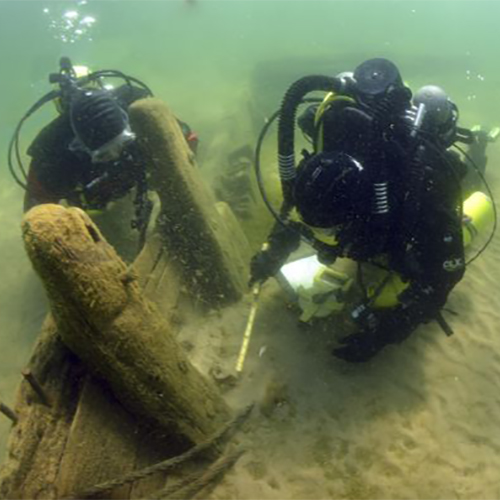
x: 197, y: 237
x: 103, y: 317
x: 86, y: 435
x: 158, y: 277
x: 37, y: 442
x: 83, y: 438
x: 101, y: 442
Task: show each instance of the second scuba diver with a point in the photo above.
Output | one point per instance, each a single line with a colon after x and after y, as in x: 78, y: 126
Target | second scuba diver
x: 381, y: 187
x: 87, y: 155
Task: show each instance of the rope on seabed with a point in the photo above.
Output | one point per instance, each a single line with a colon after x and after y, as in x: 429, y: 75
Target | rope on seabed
x: 170, y: 463
x: 188, y: 487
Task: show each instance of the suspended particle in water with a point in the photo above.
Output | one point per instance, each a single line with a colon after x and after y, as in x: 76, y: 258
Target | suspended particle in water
x: 71, y: 14
x: 87, y: 21
x: 69, y: 26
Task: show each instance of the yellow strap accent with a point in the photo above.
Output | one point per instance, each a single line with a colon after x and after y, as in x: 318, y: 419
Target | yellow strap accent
x: 325, y: 104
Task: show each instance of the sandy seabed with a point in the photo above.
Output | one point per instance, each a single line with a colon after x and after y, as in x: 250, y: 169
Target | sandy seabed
x: 421, y: 420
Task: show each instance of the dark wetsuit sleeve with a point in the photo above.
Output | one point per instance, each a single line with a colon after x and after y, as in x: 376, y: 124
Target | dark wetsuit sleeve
x: 36, y: 192
x: 282, y: 242
x: 53, y: 170
x: 268, y: 261
x: 127, y: 94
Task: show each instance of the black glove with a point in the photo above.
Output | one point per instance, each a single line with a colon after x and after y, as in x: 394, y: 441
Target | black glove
x: 282, y: 241
x: 359, y: 347
x: 365, y: 317
x: 379, y: 330
x: 264, y: 265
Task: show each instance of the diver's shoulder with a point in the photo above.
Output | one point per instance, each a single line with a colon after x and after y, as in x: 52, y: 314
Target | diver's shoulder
x: 127, y: 94
x: 53, y: 136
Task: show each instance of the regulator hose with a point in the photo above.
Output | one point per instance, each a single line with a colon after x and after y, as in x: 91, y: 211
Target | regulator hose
x: 286, y: 128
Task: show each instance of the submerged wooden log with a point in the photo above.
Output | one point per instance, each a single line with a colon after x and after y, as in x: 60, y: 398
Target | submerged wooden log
x: 85, y: 437
x: 103, y: 317
x: 85, y: 424
x: 37, y: 442
x: 199, y: 240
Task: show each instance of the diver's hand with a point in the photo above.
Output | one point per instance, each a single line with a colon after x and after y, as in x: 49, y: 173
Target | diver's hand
x: 283, y: 240
x: 359, y: 347
x: 391, y: 327
x: 369, y: 339
x: 264, y: 265
x: 365, y: 317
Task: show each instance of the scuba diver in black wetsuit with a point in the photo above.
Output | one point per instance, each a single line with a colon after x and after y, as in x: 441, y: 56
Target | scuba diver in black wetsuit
x: 87, y: 155
x: 380, y: 187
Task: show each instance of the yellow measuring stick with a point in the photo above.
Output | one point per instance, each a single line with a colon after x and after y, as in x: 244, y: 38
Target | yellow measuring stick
x: 249, y: 328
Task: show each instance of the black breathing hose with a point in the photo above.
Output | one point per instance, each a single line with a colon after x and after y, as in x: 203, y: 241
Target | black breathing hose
x: 114, y: 73
x: 257, y: 165
x: 14, y: 141
x: 493, y: 204
x: 286, y: 128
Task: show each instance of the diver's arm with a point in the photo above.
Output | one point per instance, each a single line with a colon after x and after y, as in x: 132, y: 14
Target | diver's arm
x: 434, y: 259
x: 421, y: 303
x: 476, y: 159
x: 476, y: 150
x: 282, y: 241
x: 438, y: 265
x: 36, y: 193
x: 127, y: 94
x: 51, y: 164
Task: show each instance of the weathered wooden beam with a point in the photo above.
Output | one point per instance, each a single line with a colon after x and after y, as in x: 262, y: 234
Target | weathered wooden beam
x: 107, y: 322
x: 128, y: 370
x: 37, y: 442
x: 199, y: 240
